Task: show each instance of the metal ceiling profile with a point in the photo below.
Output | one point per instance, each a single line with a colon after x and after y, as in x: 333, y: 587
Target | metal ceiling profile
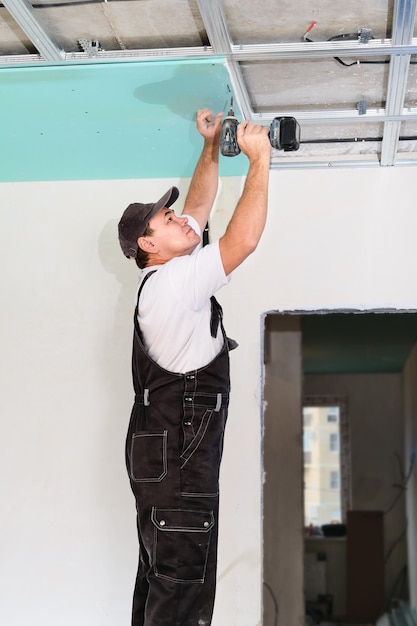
x: 402, y: 34
x: 390, y: 110
x: 23, y: 13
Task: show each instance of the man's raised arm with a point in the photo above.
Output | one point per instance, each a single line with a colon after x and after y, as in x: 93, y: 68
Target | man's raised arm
x: 247, y: 223
x: 205, y: 180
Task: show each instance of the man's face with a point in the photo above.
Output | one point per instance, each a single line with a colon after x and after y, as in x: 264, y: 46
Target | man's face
x: 172, y: 235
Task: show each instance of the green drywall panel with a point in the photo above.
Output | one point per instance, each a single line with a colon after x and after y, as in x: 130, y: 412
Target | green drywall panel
x: 109, y: 121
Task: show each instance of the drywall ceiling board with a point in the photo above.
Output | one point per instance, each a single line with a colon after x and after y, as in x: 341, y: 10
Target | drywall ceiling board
x: 109, y: 121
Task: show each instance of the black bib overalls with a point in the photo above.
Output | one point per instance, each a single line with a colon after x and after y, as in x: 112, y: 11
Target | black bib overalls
x: 173, y: 452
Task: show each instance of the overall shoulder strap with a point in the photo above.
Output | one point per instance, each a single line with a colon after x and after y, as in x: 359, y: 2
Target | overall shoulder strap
x: 142, y: 286
x: 135, y: 316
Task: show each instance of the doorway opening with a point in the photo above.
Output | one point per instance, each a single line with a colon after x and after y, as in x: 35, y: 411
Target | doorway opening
x: 342, y: 369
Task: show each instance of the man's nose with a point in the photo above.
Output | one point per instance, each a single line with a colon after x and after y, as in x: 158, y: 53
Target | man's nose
x: 182, y: 220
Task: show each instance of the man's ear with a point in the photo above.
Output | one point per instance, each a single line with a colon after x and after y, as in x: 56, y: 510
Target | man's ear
x: 147, y: 245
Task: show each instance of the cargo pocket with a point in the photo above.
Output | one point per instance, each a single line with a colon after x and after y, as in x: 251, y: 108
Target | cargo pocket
x: 149, y: 456
x: 182, y: 542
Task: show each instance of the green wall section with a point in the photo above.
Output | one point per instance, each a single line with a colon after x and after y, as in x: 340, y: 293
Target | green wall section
x: 109, y: 121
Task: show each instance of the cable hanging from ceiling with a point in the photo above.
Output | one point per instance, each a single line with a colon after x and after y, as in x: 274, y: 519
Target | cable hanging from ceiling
x: 362, y: 36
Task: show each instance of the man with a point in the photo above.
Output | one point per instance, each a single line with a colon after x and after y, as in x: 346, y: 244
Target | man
x: 181, y: 377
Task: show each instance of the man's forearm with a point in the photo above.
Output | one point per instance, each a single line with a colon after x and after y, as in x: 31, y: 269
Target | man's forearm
x: 204, y: 184
x: 248, y: 220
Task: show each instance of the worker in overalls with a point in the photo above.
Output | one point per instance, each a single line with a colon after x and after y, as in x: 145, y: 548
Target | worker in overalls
x: 181, y: 377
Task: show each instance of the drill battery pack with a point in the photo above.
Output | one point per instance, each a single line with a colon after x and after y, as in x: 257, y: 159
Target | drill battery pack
x: 284, y: 134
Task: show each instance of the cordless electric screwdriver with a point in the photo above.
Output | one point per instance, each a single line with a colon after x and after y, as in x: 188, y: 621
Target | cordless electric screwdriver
x: 284, y: 134
x: 228, y: 135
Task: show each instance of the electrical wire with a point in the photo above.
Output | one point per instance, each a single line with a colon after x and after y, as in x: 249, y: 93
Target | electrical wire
x: 403, y: 488
x: 395, y: 544
x: 399, y: 583
x: 405, y: 479
x: 66, y: 3
x: 355, y: 139
x: 353, y: 37
x: 348, y: 37
x: 274, y: 600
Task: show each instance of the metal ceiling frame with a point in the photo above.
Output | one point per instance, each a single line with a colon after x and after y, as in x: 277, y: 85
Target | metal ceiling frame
x: 402, y: 33
x: 399, y: 49
x: 23, y: 13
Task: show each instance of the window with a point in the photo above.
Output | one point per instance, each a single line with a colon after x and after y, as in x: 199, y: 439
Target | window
x: 334, y: 442
x: 307, y: 418
x: 334, y: 480
x: 332, y: 417
x: 326, y: 460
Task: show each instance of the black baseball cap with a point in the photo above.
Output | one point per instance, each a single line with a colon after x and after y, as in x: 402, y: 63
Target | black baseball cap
x: 136, y: 217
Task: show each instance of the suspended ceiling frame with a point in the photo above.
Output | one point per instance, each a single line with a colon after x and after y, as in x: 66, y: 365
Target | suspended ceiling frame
x: 398, y: 48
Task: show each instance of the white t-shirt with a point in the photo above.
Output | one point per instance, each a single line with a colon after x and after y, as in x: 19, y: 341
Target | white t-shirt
x: 175, y: 308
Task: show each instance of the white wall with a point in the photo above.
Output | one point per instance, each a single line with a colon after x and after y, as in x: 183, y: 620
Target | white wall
x: 334, y: 238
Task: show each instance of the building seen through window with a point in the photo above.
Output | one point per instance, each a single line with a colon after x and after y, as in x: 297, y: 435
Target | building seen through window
x: 322, y: 465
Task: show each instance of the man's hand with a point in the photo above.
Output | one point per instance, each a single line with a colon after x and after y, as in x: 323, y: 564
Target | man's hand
x: 209, y: 127
x: 253, y: 140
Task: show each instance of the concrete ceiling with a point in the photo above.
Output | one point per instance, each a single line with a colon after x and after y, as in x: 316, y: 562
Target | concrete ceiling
x: 346, y: 71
